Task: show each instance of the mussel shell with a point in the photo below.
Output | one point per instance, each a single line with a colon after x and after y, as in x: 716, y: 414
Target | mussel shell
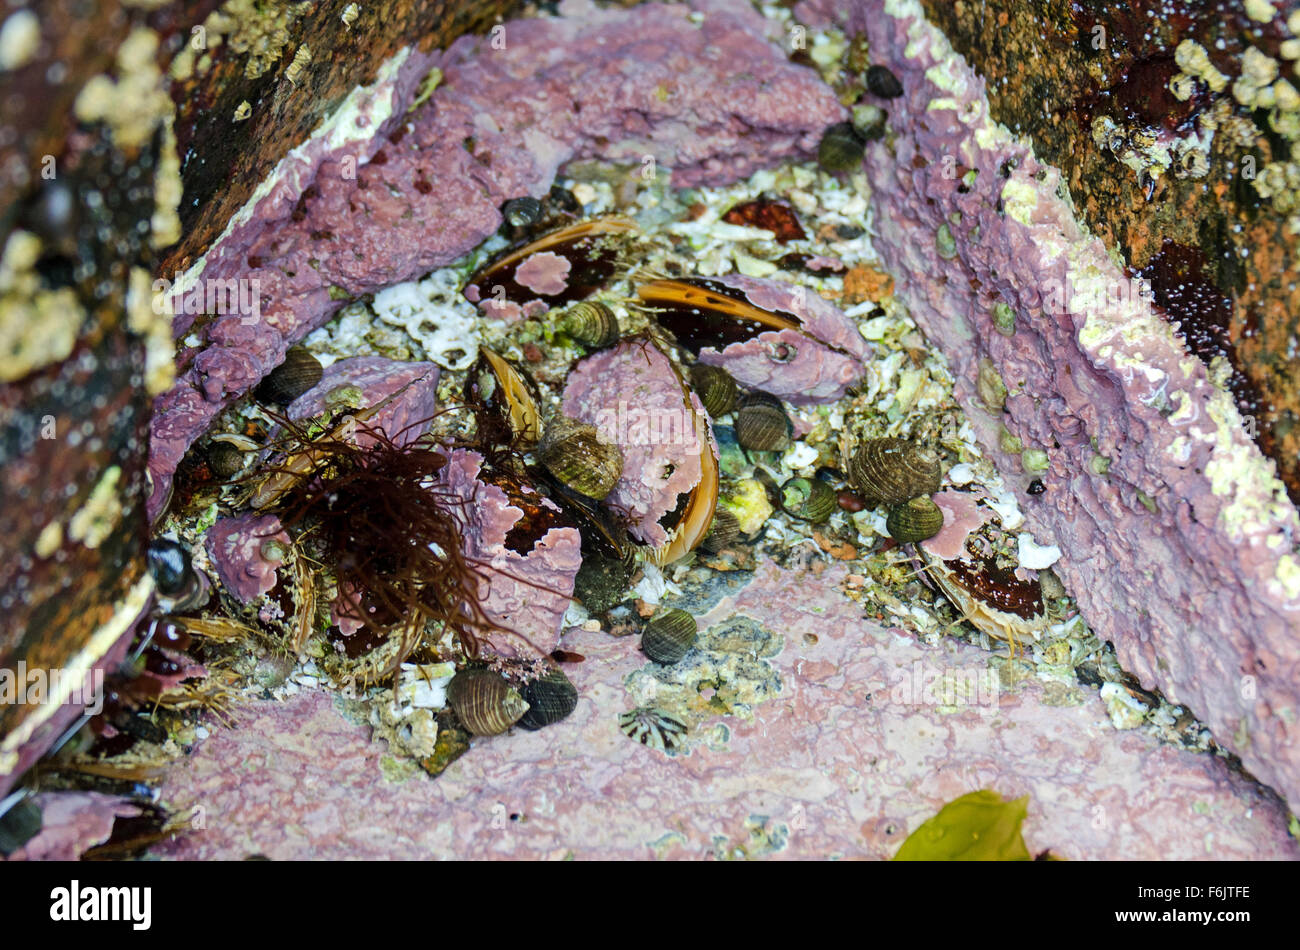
x: 881, y: 82
x: 809, y: 498
x: 509, y: 396
x: 890, y: 471
x: 224, y: 459
x: 716, y: 388
x: 591, y: 323
x: 669, y: 635
x: 522, y: 212
x: 724, y: 530
x: 550, y: 698
x: 19, y: 824
x: 169, y: 563
x: 484, y: 702
x: 575, y: 453
x: 299, y: 372
x: 914, y: 520
x: 841, y: 148
x: 762, y: 423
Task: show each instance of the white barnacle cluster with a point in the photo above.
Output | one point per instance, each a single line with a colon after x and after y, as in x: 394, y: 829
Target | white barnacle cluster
x: 1195, y: 62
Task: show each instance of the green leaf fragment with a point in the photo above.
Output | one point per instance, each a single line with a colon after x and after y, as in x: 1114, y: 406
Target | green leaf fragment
x: 976, y: 827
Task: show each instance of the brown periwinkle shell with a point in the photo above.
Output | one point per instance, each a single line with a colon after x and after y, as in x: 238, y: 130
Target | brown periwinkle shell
x: 669, y: 635
x: 522, y: 212
x: 551, y: 697
x: 841, y: 148
x: 724, y: 530
x: 224, y: 459
x: 299, y: 372
x: 591, y: 323
x: 809, y: 498
x: 881, y: 82
x: 890, y: 471
x: 484, y: 702
x: 716, y: 388
x: 762, y: 423
x: 914, y: 520
x: 575, y: 453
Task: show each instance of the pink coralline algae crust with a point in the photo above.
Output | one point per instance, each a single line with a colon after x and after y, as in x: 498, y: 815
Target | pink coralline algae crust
x: 544, y: 273
x: 633, y: 395
x: 1195, y: 593
x: 711, y: 102
x: 378, y: 378
x: 72, y: 823
x: 961, y: 515
x: 850, y: 757
x: 788, y: 363
x: 235, y: 546
x: 527, y: 594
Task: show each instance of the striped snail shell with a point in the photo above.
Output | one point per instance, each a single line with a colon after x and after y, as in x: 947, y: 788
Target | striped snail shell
x: 669, y: 635
x: 299, y: 372
x: 914, y: 520
x: 724, y: 530
x: 716, y: 388
x: 522, y: 212
x: 841, y: 148
x: 762, y: 423
x: 575, y: 453
x: 550, y: 697
x: 591, y: 323
x: 809, y: 498
x: 484, y: 702
x: 890, y: 471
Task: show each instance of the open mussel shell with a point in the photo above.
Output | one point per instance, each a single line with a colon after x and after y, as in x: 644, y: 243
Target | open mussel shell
x: 591, y: 247
x: 669, y: 635
x: 914, y: 520
x: 484, y: 702
x: 762, y: 423
x: 890, y: 471
x: 724, y: 530
x: 575, y: 453
x: 299, y: 372
x: 508, y: 394
x: 550, y: 698
x: 809, y: 498
x: 716, y: 388
x: 591, y: 323
x: 701, y: 312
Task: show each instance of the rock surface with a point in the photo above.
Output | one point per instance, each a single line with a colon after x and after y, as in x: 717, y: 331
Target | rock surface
x: 1182, y: 552
x: 848, y: 755
x: 381, y: 197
